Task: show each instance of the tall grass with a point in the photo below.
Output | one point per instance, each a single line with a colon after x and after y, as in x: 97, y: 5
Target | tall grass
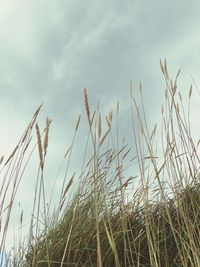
x: 123, y: 209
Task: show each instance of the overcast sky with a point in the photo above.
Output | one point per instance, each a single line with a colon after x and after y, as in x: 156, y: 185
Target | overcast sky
x: 51, y: 50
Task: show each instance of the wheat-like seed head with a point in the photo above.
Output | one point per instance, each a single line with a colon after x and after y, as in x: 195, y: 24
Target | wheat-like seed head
x: 21, y: 217
x: 177, y: 107
x: 12, y: 154
x: 140, y: 88
x: 78, y: 122
x: 165, y: 68
x: 39, y: 146
x: 35, y: 116
x: 87, y: 104
x: 190, y: 92
x: 162, y: 109
x: 46, y: 138
x: 26, y: 133
x: 108, y: 122
x: 1, y: 160
x: 131, y: 89
x: 104, y: 137
x: 161, y: 66
x: 67, y: 151
x: 118, y: 107
x: 110, y: 116
x: 68, y: 185
x: 66, y: 190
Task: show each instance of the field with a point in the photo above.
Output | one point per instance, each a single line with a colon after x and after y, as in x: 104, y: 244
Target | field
x: 129, y: 206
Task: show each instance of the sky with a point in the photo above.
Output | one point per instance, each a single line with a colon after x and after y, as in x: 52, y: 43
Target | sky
x: 51, y: 50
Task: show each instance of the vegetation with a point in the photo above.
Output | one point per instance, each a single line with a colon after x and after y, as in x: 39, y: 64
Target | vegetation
x: 139, y: 208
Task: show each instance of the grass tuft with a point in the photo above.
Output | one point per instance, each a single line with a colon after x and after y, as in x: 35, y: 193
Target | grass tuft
x: 131, y: 205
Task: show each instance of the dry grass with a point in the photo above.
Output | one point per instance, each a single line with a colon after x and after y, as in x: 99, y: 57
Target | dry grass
x: 107, y: 216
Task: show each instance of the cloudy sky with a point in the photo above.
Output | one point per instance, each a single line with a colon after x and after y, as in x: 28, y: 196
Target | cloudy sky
x: 51, y: 50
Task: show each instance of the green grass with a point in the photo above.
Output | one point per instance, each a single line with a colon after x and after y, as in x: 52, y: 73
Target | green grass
x: 127, y: 207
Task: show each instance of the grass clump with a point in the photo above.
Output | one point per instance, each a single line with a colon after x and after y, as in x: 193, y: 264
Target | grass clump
x: 109, y: 217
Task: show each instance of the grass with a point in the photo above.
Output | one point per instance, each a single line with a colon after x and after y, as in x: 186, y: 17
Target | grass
x: 125, y: 208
